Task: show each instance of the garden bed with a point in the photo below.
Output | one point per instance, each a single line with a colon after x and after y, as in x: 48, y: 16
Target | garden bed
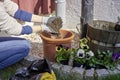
x: 63, y: 72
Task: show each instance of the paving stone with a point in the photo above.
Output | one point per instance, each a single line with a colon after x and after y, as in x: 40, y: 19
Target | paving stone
x: 77, y: 72
x: 89, y: 72
x: 57, y: 69
x: 114, y: 71
x: 56, y: 66
x: 102, y: 72
x: 66, y: 70
x: 118, y: 67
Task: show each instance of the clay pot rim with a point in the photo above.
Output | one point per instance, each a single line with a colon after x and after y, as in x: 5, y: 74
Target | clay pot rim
x: 58, y: 40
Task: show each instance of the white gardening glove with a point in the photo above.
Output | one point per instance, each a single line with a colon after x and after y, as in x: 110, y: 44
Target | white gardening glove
x: 46, y: 28
x: 46, y: 19
x: 54, y: 23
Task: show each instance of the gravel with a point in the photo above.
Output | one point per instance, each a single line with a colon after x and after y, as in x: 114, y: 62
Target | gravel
x: 37, y: 46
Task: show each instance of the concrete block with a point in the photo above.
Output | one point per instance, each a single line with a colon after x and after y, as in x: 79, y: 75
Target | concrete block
x: 77, y: 72
x: 66, y: 69
x: 102, y: 72
x: 56, y: 66
x: 89, y: 72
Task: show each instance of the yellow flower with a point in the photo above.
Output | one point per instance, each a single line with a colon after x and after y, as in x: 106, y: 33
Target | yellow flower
x: 84, y: 46
x: 84, y: 40
x: 58, y: 48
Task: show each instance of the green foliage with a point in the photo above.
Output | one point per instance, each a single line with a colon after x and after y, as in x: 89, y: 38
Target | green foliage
x: 105, y: 58
x: 9, y: 71
x: 62, y: 53
x: 85, y: 56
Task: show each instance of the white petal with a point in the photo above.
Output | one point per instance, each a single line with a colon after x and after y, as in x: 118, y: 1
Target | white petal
x: 90, y: 53
x: 82, y: 52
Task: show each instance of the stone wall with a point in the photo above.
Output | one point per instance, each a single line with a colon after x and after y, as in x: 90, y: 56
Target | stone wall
x: 73, y: 12
x: 107, y: 10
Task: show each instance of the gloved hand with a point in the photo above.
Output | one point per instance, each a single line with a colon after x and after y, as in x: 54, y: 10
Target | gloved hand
x: 54, y: 23
x: 46, y: 28
x: 45, y: 19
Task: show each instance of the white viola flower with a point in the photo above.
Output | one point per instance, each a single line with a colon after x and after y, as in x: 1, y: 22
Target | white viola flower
x: 81, y: 53
x: 89, y: 54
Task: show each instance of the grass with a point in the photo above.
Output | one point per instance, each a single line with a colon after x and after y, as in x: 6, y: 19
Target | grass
x: 6, y: 73
x: 112, y: 77
x: 109, y: 77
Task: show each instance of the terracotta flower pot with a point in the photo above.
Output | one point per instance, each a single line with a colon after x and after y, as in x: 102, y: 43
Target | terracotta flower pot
x: 49, y: 43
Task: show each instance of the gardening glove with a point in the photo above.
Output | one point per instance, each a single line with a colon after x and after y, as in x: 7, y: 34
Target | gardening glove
x: 55, y: 23
x: 47, y: 29
x: 48, y: 76
x: 46, y: 20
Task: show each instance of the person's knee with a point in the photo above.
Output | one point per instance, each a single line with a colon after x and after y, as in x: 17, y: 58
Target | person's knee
x: 26, y: 47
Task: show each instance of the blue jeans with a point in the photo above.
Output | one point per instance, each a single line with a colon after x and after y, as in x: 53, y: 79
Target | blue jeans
x: 12, y: 50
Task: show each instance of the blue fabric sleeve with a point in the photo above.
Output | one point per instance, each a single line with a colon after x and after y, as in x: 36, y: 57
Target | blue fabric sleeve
x: 26, y: 30
x: 23, y: 15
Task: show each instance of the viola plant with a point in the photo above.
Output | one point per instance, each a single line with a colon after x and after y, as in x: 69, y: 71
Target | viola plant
x: 63, y: 53
x: 83, y: 44
x: 86, y: 57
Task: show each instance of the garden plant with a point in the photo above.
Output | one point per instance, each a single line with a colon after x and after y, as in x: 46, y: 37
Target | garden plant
x: 86, y: 58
